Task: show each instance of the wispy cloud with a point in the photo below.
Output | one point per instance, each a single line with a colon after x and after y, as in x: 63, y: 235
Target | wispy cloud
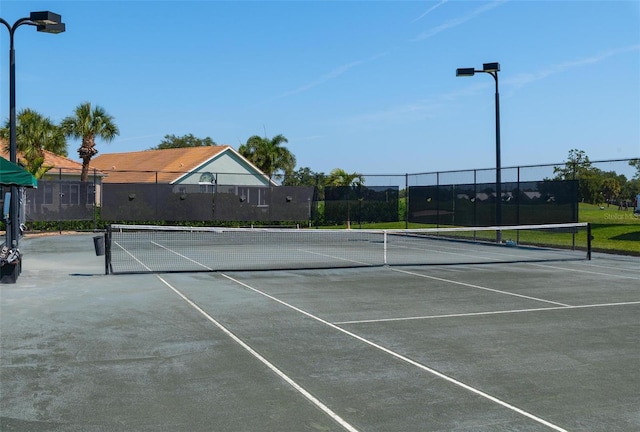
x: 457, y: 21
x: 409, y: 112
x: 333, y: 74
x: 431, y: 9
x: 523, y: 79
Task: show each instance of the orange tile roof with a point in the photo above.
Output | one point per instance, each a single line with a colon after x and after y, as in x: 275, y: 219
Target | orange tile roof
x: 163, y: 166
x: 56, y: 162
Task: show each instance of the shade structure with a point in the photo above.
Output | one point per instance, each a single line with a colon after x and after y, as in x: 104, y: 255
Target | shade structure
x: 12, y: 174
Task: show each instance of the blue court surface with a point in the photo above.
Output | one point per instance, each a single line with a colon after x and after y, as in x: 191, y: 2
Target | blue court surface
x: 546, y: 345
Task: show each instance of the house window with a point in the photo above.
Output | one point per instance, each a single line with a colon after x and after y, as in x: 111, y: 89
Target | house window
x: 207, y: 182
x: 47, y: 193
x: 206, y: 177
x: 253, y: 195
x: 91, y: 194
x: 70, y: 194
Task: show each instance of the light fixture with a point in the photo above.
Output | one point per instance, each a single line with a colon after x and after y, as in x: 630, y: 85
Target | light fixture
x: 45, y: 17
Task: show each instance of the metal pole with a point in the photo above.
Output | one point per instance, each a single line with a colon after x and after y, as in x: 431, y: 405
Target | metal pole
x: 12, y: 223
x: 498, y: 163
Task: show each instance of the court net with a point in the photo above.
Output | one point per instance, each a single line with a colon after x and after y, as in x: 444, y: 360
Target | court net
x: 158, y: 249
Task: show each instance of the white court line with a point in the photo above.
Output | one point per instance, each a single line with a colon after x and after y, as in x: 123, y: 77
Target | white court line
x: 334, y: 257
x: 405, y: 359
x: 471, y: 314
x: 618, y: 269
x: 264, y: 361
x: 131, y: 255
x: 609, y: 275
x: 181, y: 256
x: 478, y: 287
x: 163, y: 247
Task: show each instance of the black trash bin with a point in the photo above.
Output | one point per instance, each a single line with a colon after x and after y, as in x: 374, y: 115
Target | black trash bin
x: 98, y: 243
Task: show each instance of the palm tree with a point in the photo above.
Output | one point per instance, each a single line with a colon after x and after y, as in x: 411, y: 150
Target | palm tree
x: 339, y: 177
x: 268, y: 155
x: 87, y: 124
x: 34, y: 134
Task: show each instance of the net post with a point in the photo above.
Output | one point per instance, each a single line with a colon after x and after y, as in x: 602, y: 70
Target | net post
x: 384, y: 253
x: 589, y: 238
x: 107, y: 249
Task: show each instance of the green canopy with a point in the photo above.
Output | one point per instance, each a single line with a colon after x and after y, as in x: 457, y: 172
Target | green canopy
x: 13, y: 175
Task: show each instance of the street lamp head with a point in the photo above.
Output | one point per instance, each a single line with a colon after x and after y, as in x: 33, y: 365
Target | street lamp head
x: 491, y: 67
x: 44, y: 18
x: 465, y: 72
x: 51, y: 28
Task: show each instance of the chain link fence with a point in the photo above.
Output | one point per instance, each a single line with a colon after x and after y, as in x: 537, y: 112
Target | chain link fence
x: 528, y: 195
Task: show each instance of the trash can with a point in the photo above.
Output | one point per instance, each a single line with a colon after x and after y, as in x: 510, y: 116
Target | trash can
x: 98, y: 244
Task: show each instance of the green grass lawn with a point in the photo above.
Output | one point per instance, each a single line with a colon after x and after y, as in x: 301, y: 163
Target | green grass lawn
x: 613, y: 230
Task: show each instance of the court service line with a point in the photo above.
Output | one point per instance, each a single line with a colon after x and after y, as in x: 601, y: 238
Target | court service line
x: 347, y: 426
x: 478, y: 287
x: 181, y: 256
x: 471, y: 314
x: 334, y: 257
x: 585, y: 271
x: 405, y: 359
x: 617, y: 269
x: 132, y: 256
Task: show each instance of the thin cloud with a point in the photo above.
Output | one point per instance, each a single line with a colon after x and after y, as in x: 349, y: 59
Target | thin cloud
x: 409, y: 112
x: 335, y: 73
x: 521, y: 80
x: 458, y: 21
x: 431, y: 9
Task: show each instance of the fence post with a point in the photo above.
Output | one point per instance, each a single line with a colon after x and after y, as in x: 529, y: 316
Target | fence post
x: 437, y: 197
x: 95, y: 196
x: 406, y: 201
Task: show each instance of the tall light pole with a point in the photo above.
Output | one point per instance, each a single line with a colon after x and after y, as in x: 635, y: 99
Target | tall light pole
x: 492, y: 69
x: 47, y: 22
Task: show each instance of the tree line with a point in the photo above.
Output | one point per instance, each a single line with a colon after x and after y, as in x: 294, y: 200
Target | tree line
x: 36, y: 133
x: 596, y: 186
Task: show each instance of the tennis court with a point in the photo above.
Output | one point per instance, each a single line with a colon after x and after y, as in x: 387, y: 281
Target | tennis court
x: 503, y: 343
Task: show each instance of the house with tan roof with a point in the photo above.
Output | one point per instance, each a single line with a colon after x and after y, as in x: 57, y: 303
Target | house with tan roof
x: 207, y: 169
x: 151, y: 185
x: 188, y: 165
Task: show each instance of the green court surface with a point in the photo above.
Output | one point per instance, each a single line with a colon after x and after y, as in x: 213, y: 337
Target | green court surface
x: 546, y: 345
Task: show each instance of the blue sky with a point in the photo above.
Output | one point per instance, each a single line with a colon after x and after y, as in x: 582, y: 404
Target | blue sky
x: 367, y: 86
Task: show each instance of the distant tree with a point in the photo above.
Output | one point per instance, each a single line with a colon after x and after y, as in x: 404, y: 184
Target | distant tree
x: 172, y: 141
x: 631, y: 189
x: 578, y: 167
x: 34, y: 134
x: 610, y: 188
x: 304, y: 177
x: 340, y: 177
x: 636, y: 164
x: 577, y: 162
x: 269, y: 156
x: 87, y: 124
